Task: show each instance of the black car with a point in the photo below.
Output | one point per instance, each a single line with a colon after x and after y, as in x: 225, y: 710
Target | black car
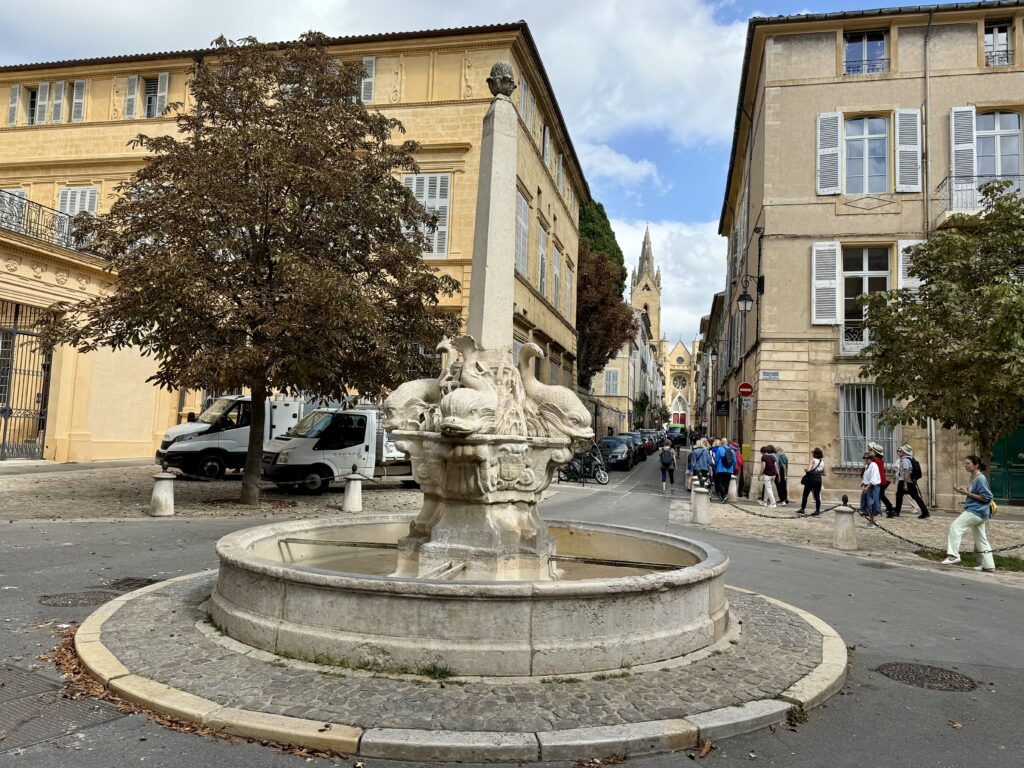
x: 638, y: 443
x: 616, y: 452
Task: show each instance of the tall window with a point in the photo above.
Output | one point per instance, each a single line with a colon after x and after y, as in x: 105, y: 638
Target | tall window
x: 867, y: 155
x: 557, y: 294
x: 433, y: 192
x: 149, y: 97
x: 611, y: 382
x: 556, y: 369
x: 998, y: 35
x: 998, y: 140
x: 522, y: 232
x: 33, y: 106
x: 547, y: 146
x: 542, y: 257
x: 859, y: 406
x: 527, y: 103
x: 865, y: 270
x: 865, y: 53
x: 568, y: 290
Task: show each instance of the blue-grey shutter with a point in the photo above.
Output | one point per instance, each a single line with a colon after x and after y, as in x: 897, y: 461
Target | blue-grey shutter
x: 12, y: 106
x: 829, y: 164
x: 131, y: 97
x: 78, y: 102
x: 903, y: 277
x: 42, y: 102
x: 522, y: 232
x: 64, y: 200
x: 57, y: 109
x: 908, y: 150
x: 825, y: 283
x: 366, y: 86
x: 161, y: 92
x: 437, y: 202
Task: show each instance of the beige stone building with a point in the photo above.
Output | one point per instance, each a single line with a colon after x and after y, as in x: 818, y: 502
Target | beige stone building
x: 680, y: 383
x: 64, y: 147
x: 856, y: 135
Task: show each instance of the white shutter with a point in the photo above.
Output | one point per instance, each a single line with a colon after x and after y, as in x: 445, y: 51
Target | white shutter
x: 57, y: 110
x: 825, y: 283
x: 829, y: 155
x: 438, y: 199
x: 64, y: 200
x: 78, y: 102
x: 366, y: 86
x: 904, y: 278
x: 523, y: 88
x: 12, y: 106
x: 161, y: 92
x: 91, y: 195
x: 74, y: 200
x: 131, y: 97
x: 961, y: 132
x: 522, y: 232
x: 908, y: 150
x: 42, y: 101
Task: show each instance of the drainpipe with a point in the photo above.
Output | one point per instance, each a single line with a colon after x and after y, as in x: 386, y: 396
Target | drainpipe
x: 926, y: 178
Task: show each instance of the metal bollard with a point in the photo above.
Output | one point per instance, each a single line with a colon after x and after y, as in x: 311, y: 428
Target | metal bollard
x: 700, y: 507
x: 734, y: 491
x: 162, y: 502
x: 353, y: 501
x: 845, y: 536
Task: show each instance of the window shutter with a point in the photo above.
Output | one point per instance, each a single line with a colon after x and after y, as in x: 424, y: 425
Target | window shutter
x: 74, y: 200
x: 829, y: 155
x: 961, y: 131
x: 78, y: 102
x: 825, y: 283
x: 366, y: 87
x: 12, y: 106
x: 57, y: 110
x: 904, y: 278
x: 557, y: 293
x: 91, y: 195
x: 42, y: 101
x: 908, y: 150
x: 522, y: 232
x: 560, y: 171
x: 64, y: 200
x: 438, y: 197
x: 131, y: 97
x: 568, y: 291
x: 161, y: 92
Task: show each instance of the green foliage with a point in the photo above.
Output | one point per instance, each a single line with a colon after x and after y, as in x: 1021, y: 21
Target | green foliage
x: 640, y: 406
x: 954, y: 351
x: 270, y: 245
x: 597, y: 231
x: 603, y: 320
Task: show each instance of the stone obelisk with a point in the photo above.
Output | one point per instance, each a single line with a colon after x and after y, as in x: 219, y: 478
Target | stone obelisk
x: 492, y: 285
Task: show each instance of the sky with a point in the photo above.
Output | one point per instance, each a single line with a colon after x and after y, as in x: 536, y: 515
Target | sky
x: 648, y: 90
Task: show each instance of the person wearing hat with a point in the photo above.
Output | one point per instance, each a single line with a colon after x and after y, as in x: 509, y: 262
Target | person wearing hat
x: 910, y: 470
x: 870, y: 483
x: 878, y: 455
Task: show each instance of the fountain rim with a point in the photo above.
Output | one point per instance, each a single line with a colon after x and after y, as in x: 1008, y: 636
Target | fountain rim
x: 235, y: 549
x: 415, y: 434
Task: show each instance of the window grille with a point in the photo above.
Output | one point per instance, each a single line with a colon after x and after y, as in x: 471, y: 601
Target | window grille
x: 859, y: 406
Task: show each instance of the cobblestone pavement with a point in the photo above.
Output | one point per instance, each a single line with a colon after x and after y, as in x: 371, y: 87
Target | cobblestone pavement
x: 155, y: 636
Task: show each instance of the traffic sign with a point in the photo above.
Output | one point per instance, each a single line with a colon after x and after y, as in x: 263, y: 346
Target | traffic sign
x: 746, y: 390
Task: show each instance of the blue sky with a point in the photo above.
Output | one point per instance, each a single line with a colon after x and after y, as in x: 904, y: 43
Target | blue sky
x: 648, y: 90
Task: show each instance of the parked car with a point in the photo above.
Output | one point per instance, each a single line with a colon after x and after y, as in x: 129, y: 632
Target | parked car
x: 617, y: 452
x: 677, y: 434
x: 653, y: 439
x: 639, y: 446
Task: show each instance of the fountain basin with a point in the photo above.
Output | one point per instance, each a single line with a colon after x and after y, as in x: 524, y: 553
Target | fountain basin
x: 281, y: 598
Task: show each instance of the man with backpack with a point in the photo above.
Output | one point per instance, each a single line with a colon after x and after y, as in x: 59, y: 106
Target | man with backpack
x: 910, y: 473
x: 699, y: 462
x: 725, y: 463
x: 667, y: 457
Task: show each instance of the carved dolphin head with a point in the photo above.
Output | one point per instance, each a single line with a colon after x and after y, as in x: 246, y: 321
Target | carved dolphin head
x: 465, y: 411
x: 572, y: 419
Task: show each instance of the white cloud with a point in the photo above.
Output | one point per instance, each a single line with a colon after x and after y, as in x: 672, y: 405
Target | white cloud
x: 692, y: 261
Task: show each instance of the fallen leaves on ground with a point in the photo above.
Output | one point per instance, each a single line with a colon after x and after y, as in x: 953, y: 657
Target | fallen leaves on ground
x: 955, y: 725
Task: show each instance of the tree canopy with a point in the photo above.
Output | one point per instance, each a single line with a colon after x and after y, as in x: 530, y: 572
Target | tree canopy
x: 596, y: 229
x: 271, y: 244
x: 953, y: 349
x: 603, y: 320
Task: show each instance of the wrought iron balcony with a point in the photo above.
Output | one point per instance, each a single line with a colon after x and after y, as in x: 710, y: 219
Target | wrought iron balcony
x: 999, y: 58
x: 865, y: 66
x: 853, y: 337
x: 25, y: 217
x: 962, y: 194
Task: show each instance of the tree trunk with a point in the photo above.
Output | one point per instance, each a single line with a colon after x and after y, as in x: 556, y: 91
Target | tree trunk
x: 254, y: 454
x: 985, y: 453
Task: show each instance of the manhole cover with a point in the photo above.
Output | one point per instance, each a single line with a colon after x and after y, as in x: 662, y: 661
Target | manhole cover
x: 128, y: 583
x: 924, y: 676
x: 70, y: 599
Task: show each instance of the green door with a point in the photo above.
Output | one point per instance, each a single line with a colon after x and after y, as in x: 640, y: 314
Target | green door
x: 1008, y: 468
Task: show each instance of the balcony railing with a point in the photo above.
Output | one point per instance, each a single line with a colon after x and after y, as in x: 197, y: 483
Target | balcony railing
x: 865, y: 66
x: 25, y: 217
x: 999, y: 58
x: 962, y: 194
x: 853, y: 338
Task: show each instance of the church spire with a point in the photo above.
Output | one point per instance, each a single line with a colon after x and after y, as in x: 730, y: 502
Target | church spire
x: 646, y: 257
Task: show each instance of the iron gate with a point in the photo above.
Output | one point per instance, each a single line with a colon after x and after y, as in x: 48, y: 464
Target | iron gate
x: 24, y: 383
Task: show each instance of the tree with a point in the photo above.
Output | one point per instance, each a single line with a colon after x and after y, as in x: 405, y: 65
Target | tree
x: 660, y: 414
x: 270, y: 245
x: 953, y: 350
x: 597, y: 231
x: 604, y: 321
x: 640, y: 406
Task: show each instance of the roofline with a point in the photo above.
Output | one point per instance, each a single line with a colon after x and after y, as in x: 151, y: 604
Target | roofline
x: 756, y: 22
x: 384, y: 37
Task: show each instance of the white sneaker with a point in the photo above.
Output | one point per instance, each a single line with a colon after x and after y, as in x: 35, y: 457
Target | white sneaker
x: 763, y: 503
x: 951, y: 560
x: 783, y: 503
x: 772, y: 506
x: 983, y: 569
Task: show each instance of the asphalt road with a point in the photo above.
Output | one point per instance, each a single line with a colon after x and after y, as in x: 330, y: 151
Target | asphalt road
x: 885, y: 614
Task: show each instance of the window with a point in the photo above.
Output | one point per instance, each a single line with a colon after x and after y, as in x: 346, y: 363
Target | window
x: 74, y: 200
x: 542, y: 256
x: 611, y: 382
x: 556, y: 369
x: 527, y: 103
x: 433, y: 192
x: 522, y: 232
x: 865, y: 53
x: 33, y: 104
x: 517, y: 347
x: 547, y: 146
x: 560, y: 171
x: 557, y: 294
x: 998, y: 52
x: 998, y: 140
x: 865, y: 270
x: 867, y: 155
x: 568, y: 290
x: 366, y: 84
x: 859, y: 406
x: 149, y: 89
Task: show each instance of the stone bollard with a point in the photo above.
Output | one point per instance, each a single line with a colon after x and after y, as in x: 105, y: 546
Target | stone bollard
x: 162, y: 502
x: 845, y: 536
x: 700, y: 507
x: 734, y: 491
x: 353, y: 501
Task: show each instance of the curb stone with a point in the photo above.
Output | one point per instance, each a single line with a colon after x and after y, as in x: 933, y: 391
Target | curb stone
x: 461, y: 746
x: 632, y: 739
x: 732, y: 721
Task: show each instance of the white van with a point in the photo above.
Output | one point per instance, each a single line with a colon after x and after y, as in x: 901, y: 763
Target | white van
x: 329, y: 443
x: 219, y: 438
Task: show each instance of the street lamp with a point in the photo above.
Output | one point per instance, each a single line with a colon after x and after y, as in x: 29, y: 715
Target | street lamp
x: 745, y: 302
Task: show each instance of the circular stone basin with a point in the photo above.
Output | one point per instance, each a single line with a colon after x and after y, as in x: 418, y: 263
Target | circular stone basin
x: 287, y: 589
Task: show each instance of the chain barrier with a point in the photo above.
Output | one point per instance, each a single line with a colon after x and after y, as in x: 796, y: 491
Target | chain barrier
x: 777, y: 517
x: 267, y: 485
x: 919, y: 545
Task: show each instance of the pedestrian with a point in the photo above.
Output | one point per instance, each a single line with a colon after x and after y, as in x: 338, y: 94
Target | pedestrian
x: 782, y: 464
x: 870, y: 487
x: 668, y: 465
x: 879, y: 459
x: 738, y: 452
x: 910, y: 473
x: 724, y: 460
x: 769, y: 471
x: 977, y: 511
x: 699, y: 462
x: 811, y: 481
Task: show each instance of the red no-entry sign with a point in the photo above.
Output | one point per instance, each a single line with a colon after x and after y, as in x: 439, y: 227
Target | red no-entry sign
x: 746, y: 390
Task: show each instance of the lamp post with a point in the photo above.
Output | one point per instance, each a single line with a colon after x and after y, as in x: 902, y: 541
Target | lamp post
x: 745, y: 302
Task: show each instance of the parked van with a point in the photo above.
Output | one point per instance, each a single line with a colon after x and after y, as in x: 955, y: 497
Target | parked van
x: 329, y: 443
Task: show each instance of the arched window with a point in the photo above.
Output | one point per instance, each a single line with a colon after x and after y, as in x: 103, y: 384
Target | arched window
x: 998, y: 140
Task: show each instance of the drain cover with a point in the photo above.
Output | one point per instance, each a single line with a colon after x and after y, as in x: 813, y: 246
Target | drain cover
x: 129, y: 583
x: 924, y: 676
x: 70, y: 599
